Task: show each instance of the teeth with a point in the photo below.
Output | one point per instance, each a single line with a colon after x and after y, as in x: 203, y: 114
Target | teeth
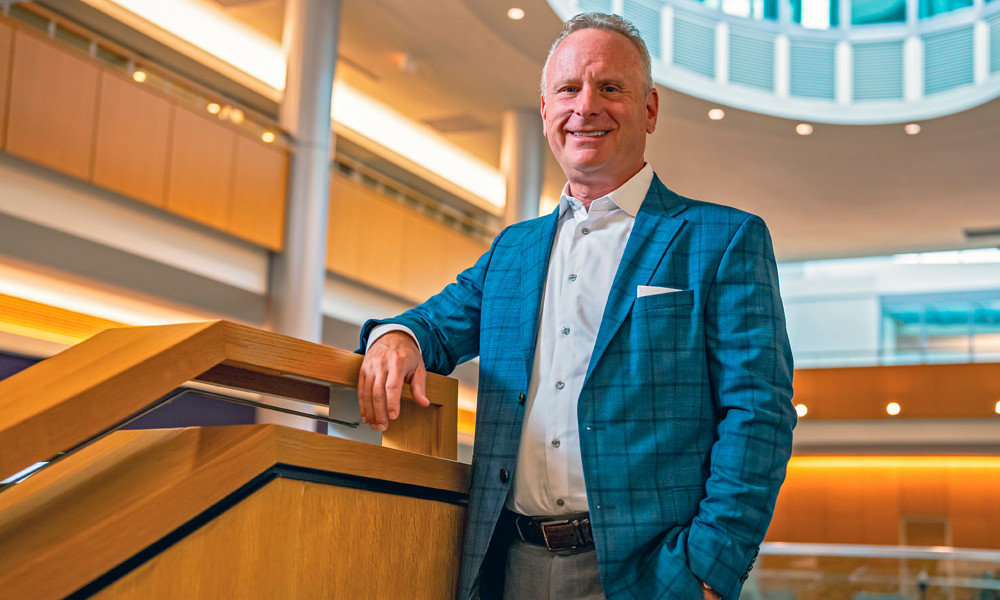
x: 588, y: 133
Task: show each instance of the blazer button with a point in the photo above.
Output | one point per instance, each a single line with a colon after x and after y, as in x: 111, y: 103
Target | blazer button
x: 504, y: 475
x: 520, y: 398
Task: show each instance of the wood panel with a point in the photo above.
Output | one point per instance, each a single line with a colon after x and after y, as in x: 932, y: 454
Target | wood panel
x: 6, y: 40
x: 257, y: 210
x: 199, y: 181
x: 133, y: 134
x: 381, y: 257
x: 347, y: 226
x: 923, y: 391
x: 53, y: 100
x: 295, y: 539
x: 424, y: 258
x: 866, y: 500
x: 86, y: 514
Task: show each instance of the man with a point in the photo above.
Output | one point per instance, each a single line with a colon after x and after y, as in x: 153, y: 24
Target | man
x: 635, y: 374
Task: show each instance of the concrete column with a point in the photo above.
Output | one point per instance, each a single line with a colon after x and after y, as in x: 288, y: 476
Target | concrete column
x: 522, y: 160
x: 299, y: 272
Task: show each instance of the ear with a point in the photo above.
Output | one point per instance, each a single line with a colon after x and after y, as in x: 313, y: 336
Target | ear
x: 542, y: 111
x: 652, y: 109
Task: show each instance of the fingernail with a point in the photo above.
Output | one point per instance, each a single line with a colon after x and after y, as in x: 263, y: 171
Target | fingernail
x: 393, y: 414
x: 383, y: 427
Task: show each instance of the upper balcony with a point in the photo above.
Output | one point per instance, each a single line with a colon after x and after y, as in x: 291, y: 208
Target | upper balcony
x: 831, y: 61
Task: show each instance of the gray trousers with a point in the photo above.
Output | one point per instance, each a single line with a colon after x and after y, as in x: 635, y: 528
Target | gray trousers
x: 536, y: 573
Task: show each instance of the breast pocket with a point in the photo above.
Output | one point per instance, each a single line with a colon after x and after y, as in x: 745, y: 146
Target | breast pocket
x: 668, y: 301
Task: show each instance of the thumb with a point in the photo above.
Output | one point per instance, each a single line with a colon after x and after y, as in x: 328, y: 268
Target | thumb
x: 418, y: 386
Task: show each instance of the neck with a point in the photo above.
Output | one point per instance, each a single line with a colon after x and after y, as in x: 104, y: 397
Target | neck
x: 587, y: 189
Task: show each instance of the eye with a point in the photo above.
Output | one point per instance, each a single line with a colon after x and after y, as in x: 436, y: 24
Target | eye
x: 609, y: 89
x: 570, y: 89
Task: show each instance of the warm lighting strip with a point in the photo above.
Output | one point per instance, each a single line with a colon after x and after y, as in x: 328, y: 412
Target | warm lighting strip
x: 211, y: 30
x: 895, y: 462
x: 49, y: 323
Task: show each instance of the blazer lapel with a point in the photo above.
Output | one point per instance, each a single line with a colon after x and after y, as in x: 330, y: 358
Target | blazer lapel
x: 534, y: 258
x: 655, y: 227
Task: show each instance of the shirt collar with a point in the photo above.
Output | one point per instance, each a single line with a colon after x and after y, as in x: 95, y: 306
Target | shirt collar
x: 628, y: 196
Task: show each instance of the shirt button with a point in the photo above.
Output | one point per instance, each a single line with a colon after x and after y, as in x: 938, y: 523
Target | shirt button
x: 504, y: 475
x: 560, y: 502
x: 555, y: 443
x: 585, y: 231
x: 565, y: 330
x: 560, y: 385
x: 520, y: 398
x: 572, y: 276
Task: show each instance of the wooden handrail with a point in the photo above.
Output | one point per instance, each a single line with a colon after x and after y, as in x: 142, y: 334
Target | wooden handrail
x: 88, y: 388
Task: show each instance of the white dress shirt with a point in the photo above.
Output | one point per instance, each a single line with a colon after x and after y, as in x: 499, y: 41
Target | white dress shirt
x: 588, y: 245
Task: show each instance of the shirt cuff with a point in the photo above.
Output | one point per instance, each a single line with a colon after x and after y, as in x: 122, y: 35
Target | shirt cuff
x: 390, y: 327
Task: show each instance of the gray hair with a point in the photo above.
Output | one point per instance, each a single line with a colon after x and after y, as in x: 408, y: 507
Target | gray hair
x: 605, y: 22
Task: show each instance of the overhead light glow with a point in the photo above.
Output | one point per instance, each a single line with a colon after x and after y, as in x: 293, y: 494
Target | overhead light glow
x: 267, y: 137
x: 213, y: 108
x: 912, y: 128
x: 515, y: 14
x: 996, y: 408
x: 892, y: 408
x: 804, y: 129
x: 139, y: 76
x: 716, y: 114
x: 801, y: 410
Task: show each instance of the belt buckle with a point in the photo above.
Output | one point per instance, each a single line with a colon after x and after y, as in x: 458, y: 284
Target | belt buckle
x: 561, y: 536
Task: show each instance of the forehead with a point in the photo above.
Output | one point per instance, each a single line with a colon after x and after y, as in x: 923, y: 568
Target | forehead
x: 609, y: 52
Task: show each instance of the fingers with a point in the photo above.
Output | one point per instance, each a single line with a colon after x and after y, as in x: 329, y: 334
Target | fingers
x: 392, y: 360
x: 418, y: 386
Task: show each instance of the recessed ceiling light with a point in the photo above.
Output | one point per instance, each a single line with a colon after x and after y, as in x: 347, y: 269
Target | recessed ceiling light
x: 804, y: 129
x: 801, y: 410
x: 912, y: 128
x: 515, y: 14
x: 268, y: 137
x: 213, y: 108
x: 892, y: 408
x: 139, y: 76
x: 716, y: 114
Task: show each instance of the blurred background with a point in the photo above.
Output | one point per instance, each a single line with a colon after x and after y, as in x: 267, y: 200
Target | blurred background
x: 303, y: 166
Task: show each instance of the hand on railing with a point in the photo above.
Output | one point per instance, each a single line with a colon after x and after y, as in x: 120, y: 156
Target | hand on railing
x: 391, y: 360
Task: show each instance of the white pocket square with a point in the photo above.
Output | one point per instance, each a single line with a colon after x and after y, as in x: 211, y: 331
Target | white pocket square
x: 653, y: 290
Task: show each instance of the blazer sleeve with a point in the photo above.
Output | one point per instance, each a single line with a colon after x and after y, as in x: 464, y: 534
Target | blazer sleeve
x: 447, y: 324
x: 750, y: 370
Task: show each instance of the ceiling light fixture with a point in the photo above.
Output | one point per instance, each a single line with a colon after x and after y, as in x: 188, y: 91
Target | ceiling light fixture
x: 213, y: 108
x: 804, y: 129
x: 912, y: 128
x: 515, y: 14
x: 139, y: 76
x: 892, y: 408
x: 716, y: 114
x: 801, y: 410
x: 996, y: 408
x: 267, y: 137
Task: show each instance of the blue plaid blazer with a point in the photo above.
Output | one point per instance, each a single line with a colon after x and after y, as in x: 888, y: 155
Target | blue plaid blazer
x: 685, y: 415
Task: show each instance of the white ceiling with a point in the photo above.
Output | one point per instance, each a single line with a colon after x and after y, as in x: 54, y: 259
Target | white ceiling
x: 843, y: 191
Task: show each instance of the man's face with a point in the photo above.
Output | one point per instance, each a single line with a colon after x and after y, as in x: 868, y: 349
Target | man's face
x: 596, y: 112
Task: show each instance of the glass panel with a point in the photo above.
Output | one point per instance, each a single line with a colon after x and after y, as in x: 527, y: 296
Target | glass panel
x: 929, y: 8
x: 869, y: 12
x: 919, y: 572
x: 816, y: 14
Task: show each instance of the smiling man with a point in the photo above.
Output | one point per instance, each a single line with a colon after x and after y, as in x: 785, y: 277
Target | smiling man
x: 634, y: 414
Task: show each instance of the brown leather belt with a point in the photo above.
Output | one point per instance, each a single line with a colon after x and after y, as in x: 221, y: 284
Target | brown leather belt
x: 564, y: 532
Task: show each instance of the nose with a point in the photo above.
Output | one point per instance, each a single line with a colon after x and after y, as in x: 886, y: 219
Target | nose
x: 587, y: 101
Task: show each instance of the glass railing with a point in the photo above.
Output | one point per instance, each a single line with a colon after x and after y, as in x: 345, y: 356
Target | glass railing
x: 790, y: 571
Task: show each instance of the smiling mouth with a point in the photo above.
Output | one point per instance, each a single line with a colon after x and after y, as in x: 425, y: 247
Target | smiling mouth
x: 589, y: 133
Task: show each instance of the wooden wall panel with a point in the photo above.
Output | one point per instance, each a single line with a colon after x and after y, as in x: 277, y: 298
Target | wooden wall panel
x: 381, y: 257
x: 200, y: 176
x: 923, y: 391
x: 6, y: 39
x: 257, y: 211
x: 133, y: 134
x: 865, y: 500
x: 346, y: 543
x: 424, y: 257
x: 53, y: 99
x: 347, y: 226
